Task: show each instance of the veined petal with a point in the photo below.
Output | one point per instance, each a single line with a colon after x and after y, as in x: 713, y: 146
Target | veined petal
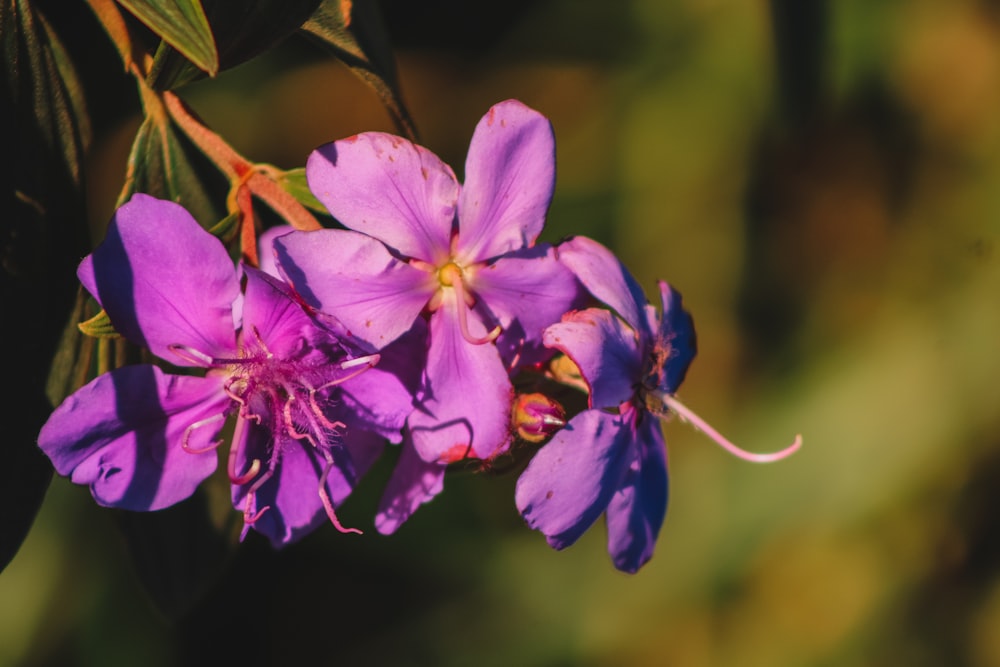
x: 386, y: 187
x: 510, y: 175
x: 354, y: 278
x: 413, y: 483
x: 636, y: 511
x: 570, y: 481
x: 604, y: 349
x: 164, y: 280
x: 607, y: 279
x: 123, y: 435
x: 270, y: 310
x: 526, y: 292
x: 676, y: 333
x: 465, y: 409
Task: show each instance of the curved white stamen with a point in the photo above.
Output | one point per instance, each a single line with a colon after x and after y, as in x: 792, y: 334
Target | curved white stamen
x: 369, y: 360
x: 198, y: 424
x: 461, y: 304
x: 687, y: 415
x: 191, y: 355
x: 233, y: 450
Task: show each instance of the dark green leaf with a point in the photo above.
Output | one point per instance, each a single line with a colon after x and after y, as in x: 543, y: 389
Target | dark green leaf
x: 44, y: 131
x: 164, y: 164
x: 294, y: 183
x: 361, y: 42
x: 181, y: 24
x: 178, y: 552
x: 242, y: 31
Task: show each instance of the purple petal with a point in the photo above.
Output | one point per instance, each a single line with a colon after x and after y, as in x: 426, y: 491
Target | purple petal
x: 465, y: 410
x: 604, y: 349
x: 525, y: 294
x: 606, y: 278
x: 265, y: 245
x: 292, y: 494
x: 413, y: 483
x: 354, y: 278
x: 636, y: 512
x: 122, y: 434
x: 164, y: 280
x: 676, y: 333
x: 381, y: 398
x: 270, y: 311
x: 571, y: 480
x: 388, y: 188
x: 510, y: 175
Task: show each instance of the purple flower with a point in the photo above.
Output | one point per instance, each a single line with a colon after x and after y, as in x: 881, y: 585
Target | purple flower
x: 143, y: 439
x: 418, y: 242
x: 611, y: 458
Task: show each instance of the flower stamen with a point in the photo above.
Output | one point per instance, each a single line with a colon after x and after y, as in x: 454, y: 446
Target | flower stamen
x: 450, y: 275
x: 689, y: 416
x: 324, y: 497
x: 198, y: 424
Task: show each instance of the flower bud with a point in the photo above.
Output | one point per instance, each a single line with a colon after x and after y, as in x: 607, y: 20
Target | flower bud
x: 535, y: 417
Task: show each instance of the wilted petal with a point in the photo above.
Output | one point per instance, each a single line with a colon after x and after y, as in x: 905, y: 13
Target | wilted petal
x: 388, y: 188
x: 604, y: 349
x: 465, y: 409
x: 164, y: 280
x: 636, y: 511
x: 676, y: 333
x: 570, y: 481
x: 354, y: 278
x: 510, y: 175
x: 122, y: 434
x: 530, y: 288
x: 606, y: 278
x: 413, y: 483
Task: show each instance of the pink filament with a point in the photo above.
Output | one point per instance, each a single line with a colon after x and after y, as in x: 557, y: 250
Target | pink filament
x: 324, y: 497
x: 463, y: 322
x: 687, y: 415
x: 198, y: 424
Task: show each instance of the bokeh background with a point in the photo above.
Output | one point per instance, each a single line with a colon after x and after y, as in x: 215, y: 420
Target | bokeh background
x: 821, y: 180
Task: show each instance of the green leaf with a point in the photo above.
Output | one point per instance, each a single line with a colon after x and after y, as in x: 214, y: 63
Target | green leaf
x: 164, y: 164
x: 361, y: 42
x: 99, y: 326
x: 181, y: 24
x: 242, y: 31
x: 44, y: 131
x: 294, y: 183
x: 227, y: 228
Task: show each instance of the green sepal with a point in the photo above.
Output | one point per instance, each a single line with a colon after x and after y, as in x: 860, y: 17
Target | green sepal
x: 294, y: 183
x: 227, y: 228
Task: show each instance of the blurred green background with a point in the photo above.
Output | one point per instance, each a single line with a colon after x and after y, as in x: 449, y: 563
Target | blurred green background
x: 822, y: 183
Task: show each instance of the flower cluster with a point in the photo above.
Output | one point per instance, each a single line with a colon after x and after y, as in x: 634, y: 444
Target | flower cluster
x: 411, y: 325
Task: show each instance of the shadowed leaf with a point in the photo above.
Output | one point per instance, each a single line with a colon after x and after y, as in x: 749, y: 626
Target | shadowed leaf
x: 361, y: 42
x: 177, y: 552
x: 242, y: 31
x: 181, y: 24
